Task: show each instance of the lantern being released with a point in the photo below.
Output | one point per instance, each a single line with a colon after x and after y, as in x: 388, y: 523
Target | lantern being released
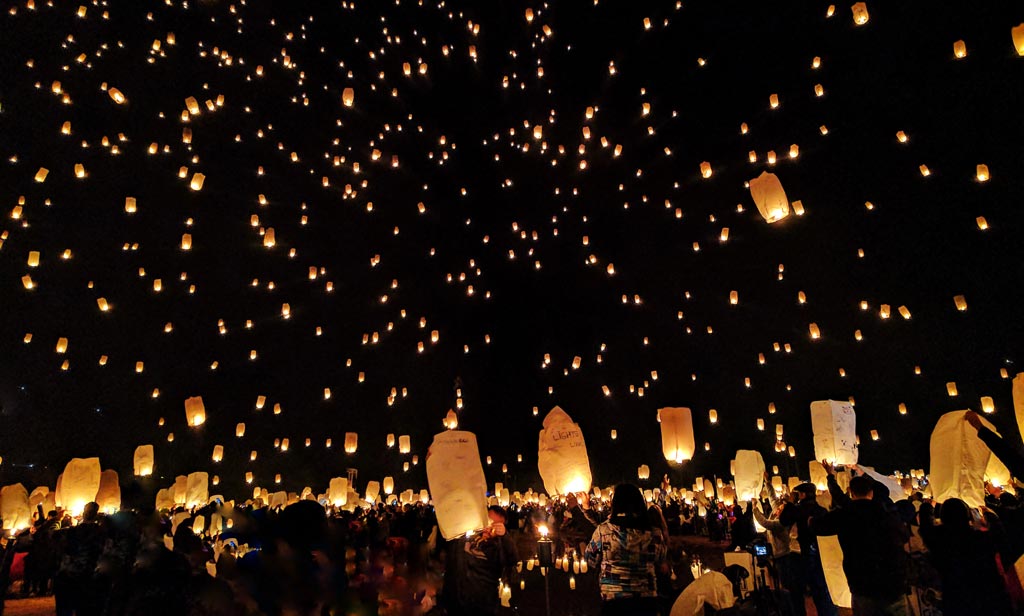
x: 749, y: 474
x: 79, y: 484
x: 769, y: 197
x: 457, y: 483
x: 677, y: 441
x: 14, y: 509
x: 835, y: 431
x: 959, y: 460
x: 337, y: 493
x: 562, y: 455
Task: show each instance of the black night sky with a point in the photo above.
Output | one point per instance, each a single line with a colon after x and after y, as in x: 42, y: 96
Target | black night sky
x: 505, y: 217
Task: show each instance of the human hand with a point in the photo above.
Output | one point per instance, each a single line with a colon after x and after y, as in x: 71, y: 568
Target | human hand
x: 972, y: 418
x: 830, y: 468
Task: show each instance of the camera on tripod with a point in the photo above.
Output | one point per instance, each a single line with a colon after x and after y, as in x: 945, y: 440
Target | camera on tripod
x: 761, y: 551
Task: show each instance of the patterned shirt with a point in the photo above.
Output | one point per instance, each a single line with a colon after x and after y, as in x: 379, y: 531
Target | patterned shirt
x: 627, y: 557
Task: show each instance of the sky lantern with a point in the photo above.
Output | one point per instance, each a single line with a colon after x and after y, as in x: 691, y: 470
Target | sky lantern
x: 186, y: 241
x: 1018, y: 400
x: 981, y: 173
x: 143, y: 461
x: 195, y: 411
x: 960, y: 49
x: 218, y: 453
x: 834, y: 425
x: 562, y: 455
x: 451, y: 420
x: 705, y: 169
x: 457, y: 484
x: 348, y: 97
x: 749, y: 474
x: 959, y: 460
x: 240, y: 430
x: 389, y: 485
x: 197, y: 182
x: 860, y: 13
x: 643, y: 472
x: 769, y: 197
x: 404, y: 444
x: 14, y: 507
x: 677, y: 439
x: 79, y: 484
x: 116, y: 96
x: 192, y: 105
x: 1017, y: 32
x: 351, y: 442
x: 197, y: 489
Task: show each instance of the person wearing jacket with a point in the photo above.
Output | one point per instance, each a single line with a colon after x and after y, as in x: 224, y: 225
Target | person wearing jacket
x: 626, y: 550
x: 874, y: 559
x: 785, y: 551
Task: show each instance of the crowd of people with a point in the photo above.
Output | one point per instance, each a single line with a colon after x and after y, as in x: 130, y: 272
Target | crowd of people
x: 899, y: 555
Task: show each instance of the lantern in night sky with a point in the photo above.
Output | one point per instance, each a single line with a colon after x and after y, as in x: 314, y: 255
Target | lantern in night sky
x: 195, y: 411
x: 769, y: 197
x: 143, y: 461
x: 677, y: 439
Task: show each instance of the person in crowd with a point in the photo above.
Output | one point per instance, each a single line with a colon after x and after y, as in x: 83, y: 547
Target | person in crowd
x: 577, y: 525
x: 800, y: 515
x: 41, y: 564
x: 475, y: 564
x: 966, y: 559
x: 874, y: 558
x: 79, y: 547
x: 785, y: 551
x: 626, y: 550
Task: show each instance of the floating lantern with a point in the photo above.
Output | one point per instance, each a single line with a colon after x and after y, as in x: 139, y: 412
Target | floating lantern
x: 195, y: 411
x: 562, y: 455
x: 981, y: 173
x: 860, y: 13
x: 348, y: 97
x: 677, y: 440
x: 960, y: 49
x: 142, y: 461
x: 769, y: 197
x: 834, y: 425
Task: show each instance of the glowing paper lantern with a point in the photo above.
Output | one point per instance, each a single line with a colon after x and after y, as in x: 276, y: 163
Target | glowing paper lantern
x: 240, y: 430
x: 643, y: 473
x: 749, y: 474
x: 451, y: 420
x: 143, y: 461
x: 195, y: 412
x: 197, y: 491
x: 981, y: 173
x: 959, y: 460
x: 1018, y: 400
x: 1017, y: 32
x: 960, y: 49
x: 860, y: 17
x: 14, y: 509
x: 337, y: 493
x: 835, y: 431
x: 562, y: 455
x: 108, y: 495
x: 457, y: 484
x: 218, y: 453
x: 389, y: 485
x: 769, y: 197
x: 348, y: 97
x: 404, y: 444
x: 677, y: 440
x: 390, y: 440
x: 79, y: 484
x: 351, y: 442
x: 832, y: 564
